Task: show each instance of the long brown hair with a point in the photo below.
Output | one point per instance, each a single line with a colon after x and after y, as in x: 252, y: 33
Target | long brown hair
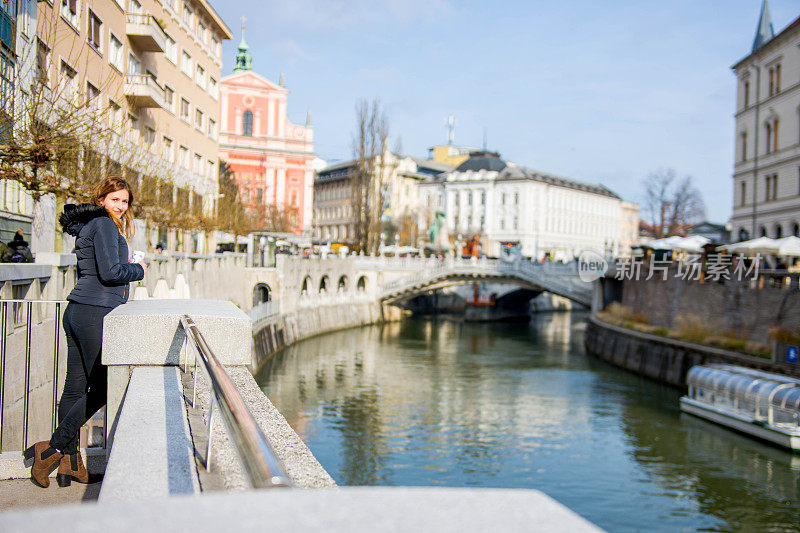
x: 113, y: 184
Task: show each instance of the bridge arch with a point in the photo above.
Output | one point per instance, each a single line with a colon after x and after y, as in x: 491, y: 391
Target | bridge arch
x: 261, y: 293
x: 342, y: 285
x: 323, y: 284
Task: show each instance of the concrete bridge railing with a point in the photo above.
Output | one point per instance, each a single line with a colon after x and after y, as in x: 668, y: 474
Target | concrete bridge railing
x: 558, y: 279
x: 154, y: 444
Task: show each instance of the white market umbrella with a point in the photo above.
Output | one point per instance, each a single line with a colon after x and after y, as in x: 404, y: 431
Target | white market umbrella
x: 788, y: 246
x: 761, y: 245
x: 688, y: 244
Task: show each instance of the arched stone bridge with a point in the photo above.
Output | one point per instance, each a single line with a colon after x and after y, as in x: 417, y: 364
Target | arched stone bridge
x: 558, y: 279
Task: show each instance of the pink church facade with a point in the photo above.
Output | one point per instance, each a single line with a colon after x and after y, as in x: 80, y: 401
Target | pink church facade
x: 270, y: 156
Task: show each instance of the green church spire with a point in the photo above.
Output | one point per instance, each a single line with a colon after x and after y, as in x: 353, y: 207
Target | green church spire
x: 765, y: 31
x: 244, y: 59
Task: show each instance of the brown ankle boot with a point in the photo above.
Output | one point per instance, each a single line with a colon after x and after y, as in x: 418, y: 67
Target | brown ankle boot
x: 71, y: 468
x: 45, y: 458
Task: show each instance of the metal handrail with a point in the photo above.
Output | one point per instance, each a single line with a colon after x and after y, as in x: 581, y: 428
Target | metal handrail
x: 257, y: 457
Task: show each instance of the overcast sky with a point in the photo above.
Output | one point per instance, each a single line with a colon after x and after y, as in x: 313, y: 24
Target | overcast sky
x: 604, y: 92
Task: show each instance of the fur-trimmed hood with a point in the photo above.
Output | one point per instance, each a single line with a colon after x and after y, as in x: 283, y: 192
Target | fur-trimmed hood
x: 75, y: 217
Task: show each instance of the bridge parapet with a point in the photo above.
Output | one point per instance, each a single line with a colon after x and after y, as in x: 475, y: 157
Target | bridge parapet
x: 561, y: 279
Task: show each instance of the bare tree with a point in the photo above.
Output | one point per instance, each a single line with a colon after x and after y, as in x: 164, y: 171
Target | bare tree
x: 232, y: 215
x: 368, y: 175
x: 673, y: 205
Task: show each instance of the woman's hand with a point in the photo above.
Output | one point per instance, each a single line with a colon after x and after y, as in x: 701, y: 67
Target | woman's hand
x: 144, y: 266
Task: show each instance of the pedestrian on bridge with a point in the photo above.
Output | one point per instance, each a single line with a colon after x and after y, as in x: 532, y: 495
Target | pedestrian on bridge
x: 102, y: 229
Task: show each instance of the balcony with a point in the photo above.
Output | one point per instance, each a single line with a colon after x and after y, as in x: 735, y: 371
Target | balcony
x: 145, y: 32
x: 143, y: 91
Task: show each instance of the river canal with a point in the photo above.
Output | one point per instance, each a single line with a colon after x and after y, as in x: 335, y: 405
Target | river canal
x: 423, y: 402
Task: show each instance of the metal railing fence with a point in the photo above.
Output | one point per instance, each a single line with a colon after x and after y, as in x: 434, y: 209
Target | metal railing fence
x: 28, y: 315
x: 260, y: 464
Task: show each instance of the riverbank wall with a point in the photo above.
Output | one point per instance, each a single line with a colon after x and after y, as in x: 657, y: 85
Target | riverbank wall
x: 280, y: 331
x: 663, y: 359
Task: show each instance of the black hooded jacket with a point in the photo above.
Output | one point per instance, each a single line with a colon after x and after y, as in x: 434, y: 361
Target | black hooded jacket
x: 103, y: 268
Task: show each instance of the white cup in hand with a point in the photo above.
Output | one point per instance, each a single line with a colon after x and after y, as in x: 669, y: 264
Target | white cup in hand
x: 138, y: 256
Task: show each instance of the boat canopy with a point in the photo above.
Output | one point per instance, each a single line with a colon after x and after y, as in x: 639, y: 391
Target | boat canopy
x: 747, y: 392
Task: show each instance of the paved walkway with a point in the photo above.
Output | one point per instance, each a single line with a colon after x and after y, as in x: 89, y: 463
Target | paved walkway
x: 18, y: 494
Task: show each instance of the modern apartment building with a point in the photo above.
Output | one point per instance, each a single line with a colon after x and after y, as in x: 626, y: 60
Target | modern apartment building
x: 150, y: 69
x: 766, y: 175
x: 543, y: 214
x: 270, y: 156
x: 17, y: 57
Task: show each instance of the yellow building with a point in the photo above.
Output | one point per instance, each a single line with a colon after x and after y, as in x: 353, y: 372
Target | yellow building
x: 450, y: 154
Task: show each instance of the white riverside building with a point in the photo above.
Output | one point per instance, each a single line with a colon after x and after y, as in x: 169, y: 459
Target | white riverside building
x: 766, y: 174
x: 542, y: 213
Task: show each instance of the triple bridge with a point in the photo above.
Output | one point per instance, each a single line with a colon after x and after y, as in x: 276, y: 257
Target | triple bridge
x: 556, y: 278
x: 296, y: 283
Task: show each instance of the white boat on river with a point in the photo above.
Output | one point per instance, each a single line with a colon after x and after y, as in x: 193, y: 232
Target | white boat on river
x: 760, y: 404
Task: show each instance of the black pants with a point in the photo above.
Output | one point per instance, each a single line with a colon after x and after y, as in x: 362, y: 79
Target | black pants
x: 86, y: 383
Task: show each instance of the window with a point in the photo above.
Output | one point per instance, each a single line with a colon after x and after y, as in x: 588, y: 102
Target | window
x: 502, y: 223
x: 149, y: 137
x: 770, y: 187
x: 169, y: 149
x: 213, y: 90
x: 198, y: 162
x: 503, y: 199
x: 771, y: 134
x: 774, y: 74
x: 746, y: 91
x: 200, y: 77
x: 516, y: 202
x: 516, y: 222
x: 744, y: 146
x: 115, y: 52
x: 215, y: 45
x: 743, y: 197
x: 135, y: 7
x: 42, y: 61
x: 247, y: 126
x: 133, y: 128
x: 114, y: 115
x: 172, y: 50
x: 134, y: 65
x: 169, y: 97
x: 483, y: 221
x: 187, y: 15
x: 69, y: 10
x: 185, y: 109
x: 775, y: 135
x: 92, y: 94
x: 202, y: 34
x: 186, y: 63
x: 68, y: 80
x: 210, y: 166
x: 198, y: 119
x: 183, y: 157
x: 95, y: 33
x: 483, y: 199
x: 212, y: 128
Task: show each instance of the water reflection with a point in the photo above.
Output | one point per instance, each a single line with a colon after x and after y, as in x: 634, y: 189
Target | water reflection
x: 513, y: 405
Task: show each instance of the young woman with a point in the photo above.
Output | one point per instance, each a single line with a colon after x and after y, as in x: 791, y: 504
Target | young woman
x: 101, y: 228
